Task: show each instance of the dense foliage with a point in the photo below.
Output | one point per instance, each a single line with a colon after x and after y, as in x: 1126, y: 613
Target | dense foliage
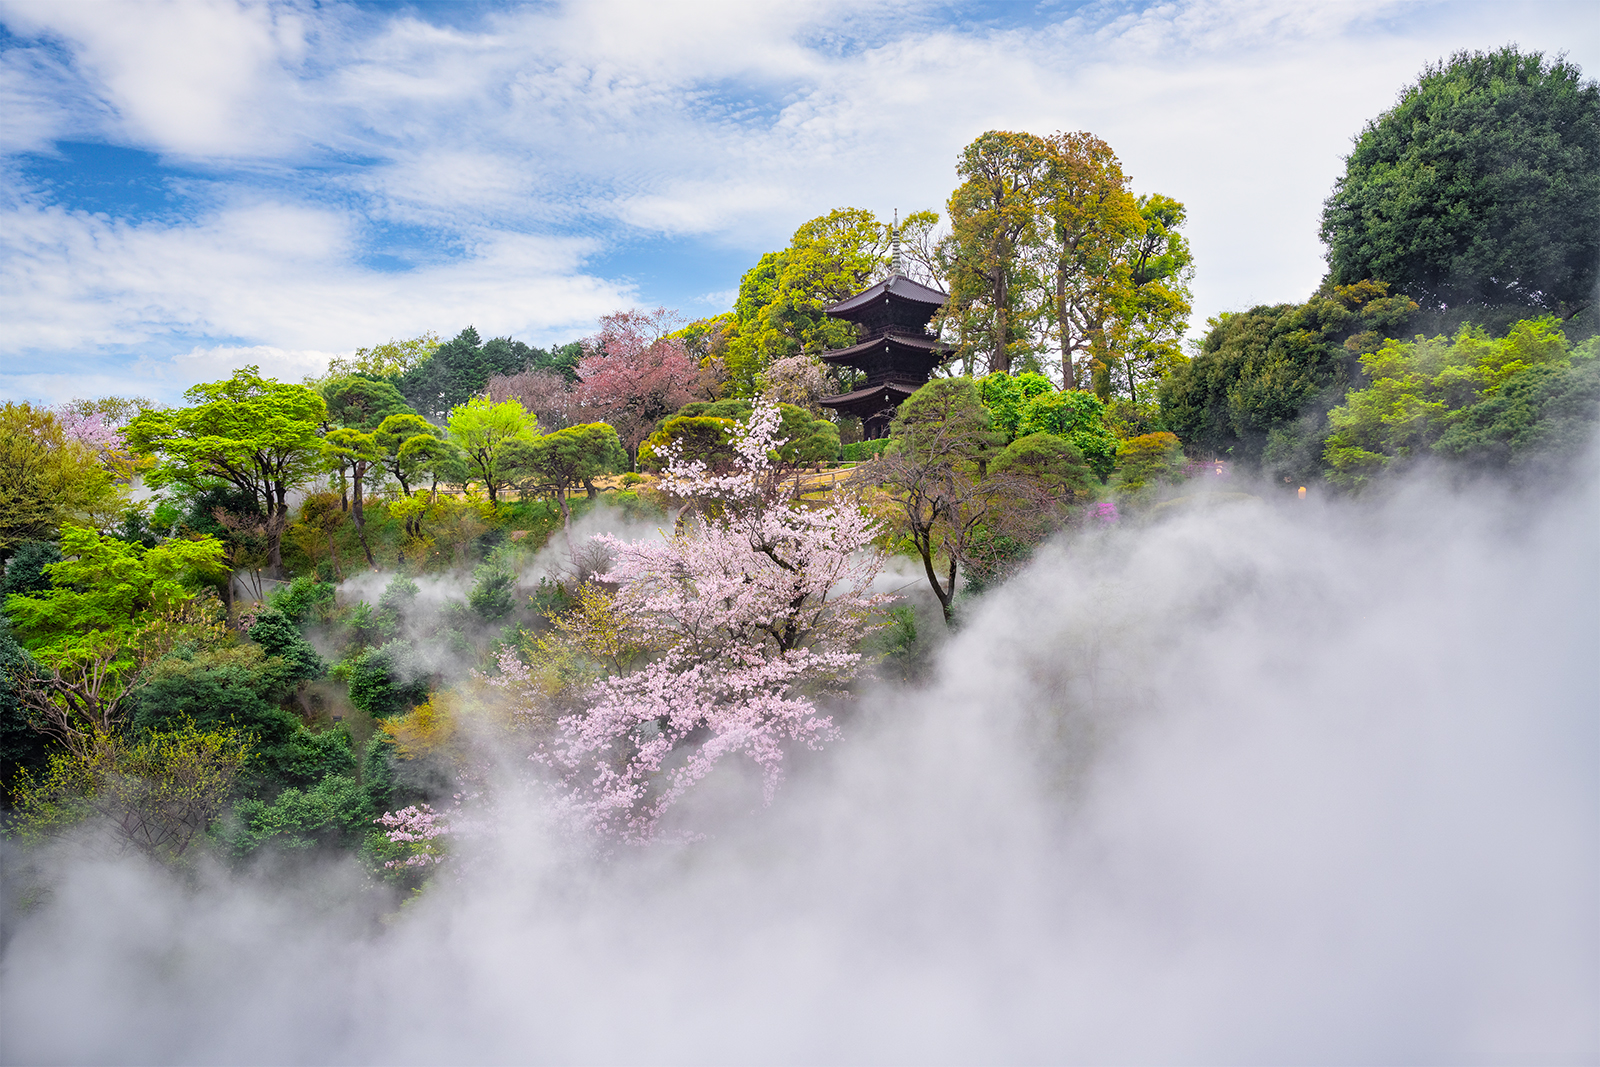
x: 222, y: 668
x: 1479, y: 189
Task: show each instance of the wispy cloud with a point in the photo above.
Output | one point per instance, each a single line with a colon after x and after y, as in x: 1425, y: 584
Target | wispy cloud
x: 354, y: 173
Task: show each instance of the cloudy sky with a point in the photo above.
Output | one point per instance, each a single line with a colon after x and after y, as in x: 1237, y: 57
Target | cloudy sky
x: 187, y: 187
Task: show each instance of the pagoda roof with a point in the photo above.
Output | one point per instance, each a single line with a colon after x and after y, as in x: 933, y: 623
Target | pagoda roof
x: 922, y: 343
x: 894, y: 287
x: 904, y: 389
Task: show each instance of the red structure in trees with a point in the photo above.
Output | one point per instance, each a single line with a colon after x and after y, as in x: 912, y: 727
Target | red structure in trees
x: 896, y: 351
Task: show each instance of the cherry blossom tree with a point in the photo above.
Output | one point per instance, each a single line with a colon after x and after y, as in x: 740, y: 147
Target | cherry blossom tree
x: 750, y: 612
x: 633, y: 374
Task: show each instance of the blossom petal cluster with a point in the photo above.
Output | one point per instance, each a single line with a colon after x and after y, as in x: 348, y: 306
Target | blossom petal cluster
x: 417, y: 825
x: 752, y: 609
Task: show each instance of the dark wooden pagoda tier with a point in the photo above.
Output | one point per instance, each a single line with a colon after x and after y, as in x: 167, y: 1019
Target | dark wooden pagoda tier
x: 896, y: 352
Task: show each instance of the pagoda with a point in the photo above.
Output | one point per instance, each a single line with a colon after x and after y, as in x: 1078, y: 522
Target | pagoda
x: 896, y: 351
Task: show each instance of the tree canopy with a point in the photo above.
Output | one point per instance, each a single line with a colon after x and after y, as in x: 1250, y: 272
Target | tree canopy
x: 483, y: 431
x: 1479, y: 188
x: 253, y: 433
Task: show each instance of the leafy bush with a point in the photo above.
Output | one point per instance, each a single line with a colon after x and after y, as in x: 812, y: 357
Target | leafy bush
x: 302, y: 598
x: 861, y: 451
x: 1149, y: 460
x: 386, y: 680
x: 25, y: 570
x: 1051, y: 462
x: 491, y: 596
x: 280, y: 637
x: 1077, y: 416
x: 336, y: 811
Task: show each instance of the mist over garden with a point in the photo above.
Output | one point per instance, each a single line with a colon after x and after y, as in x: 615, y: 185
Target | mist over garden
x: 1108, y: 693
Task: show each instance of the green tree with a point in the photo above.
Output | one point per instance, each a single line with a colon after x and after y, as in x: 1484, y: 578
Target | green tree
x: 113, y: 608
x: 1088, y: 219
x: 253, y: 433
x: 1050, y: 463
x: 935, y: 477
x: 1487, y: 395
x: 1153, y: 308
x: 47, y: 479
x: 994, y: 219
x: 362, y: 403
x: 780, y: 308
x: 157, y: 795
x: 392, y: 359
x: 567, y: 459
x: 1078, y: 417
x: 1479, y: 188
x: 704, y: 439
x: 1259, y: 389
x: 360, y: 453
x: 409, y: 444
x: 1006, y: 395
x: 483, y: 431
x: 460, y: 369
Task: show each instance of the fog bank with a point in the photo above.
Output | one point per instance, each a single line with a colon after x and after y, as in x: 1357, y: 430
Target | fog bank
x: 1277, y: 781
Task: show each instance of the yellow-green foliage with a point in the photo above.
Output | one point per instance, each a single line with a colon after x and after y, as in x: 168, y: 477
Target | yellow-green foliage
x: 45, y: 478
x: 156, y: 795
x: 1149, y: 460
x: 1419, y: 389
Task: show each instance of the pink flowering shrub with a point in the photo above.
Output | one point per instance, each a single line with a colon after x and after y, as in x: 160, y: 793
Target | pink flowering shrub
x: 417, y: 828
x: 750, y: 611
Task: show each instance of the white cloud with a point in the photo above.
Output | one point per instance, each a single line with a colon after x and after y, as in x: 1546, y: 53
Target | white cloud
x: 725, y: 125
x: 186, y: 77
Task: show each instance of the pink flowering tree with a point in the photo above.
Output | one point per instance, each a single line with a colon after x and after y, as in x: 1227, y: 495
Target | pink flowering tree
x: 633, y: 375
x: 750, y: 611
x: 416, y: 830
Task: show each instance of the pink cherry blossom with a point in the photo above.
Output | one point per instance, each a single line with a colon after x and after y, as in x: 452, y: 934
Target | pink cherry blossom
x: 755, y: 607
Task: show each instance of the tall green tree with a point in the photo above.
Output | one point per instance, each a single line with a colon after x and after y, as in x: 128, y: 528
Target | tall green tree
x: 780, y: 308
x: 994, y: 218
x: 1153, y: 310
x: 256, y: 434
x: 935, y: 475
x: 1089, y: 218
x: 1479, y: 188
x: 460, y: 369
x: 483, y: 431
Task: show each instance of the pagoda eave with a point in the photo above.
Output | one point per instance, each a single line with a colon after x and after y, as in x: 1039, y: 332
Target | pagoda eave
x: 889, y: 344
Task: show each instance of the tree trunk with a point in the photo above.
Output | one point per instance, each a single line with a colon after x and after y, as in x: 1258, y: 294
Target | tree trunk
x: 277, y: 519
x: 1069, y: 372
x: 566, y: 520
x: 945, y: 596
x: 359, y: 514
x: 1001, y: 360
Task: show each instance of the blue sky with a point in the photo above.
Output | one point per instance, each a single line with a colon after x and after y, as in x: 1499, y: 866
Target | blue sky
x: 187, y: 187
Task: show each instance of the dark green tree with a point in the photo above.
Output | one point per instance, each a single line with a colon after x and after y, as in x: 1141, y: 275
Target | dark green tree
x: 1479, y: 188
x: 1259, y: 390
x: 460, y: 369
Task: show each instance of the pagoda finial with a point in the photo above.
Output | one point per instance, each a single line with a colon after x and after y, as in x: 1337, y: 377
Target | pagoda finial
x: 894, y: 238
